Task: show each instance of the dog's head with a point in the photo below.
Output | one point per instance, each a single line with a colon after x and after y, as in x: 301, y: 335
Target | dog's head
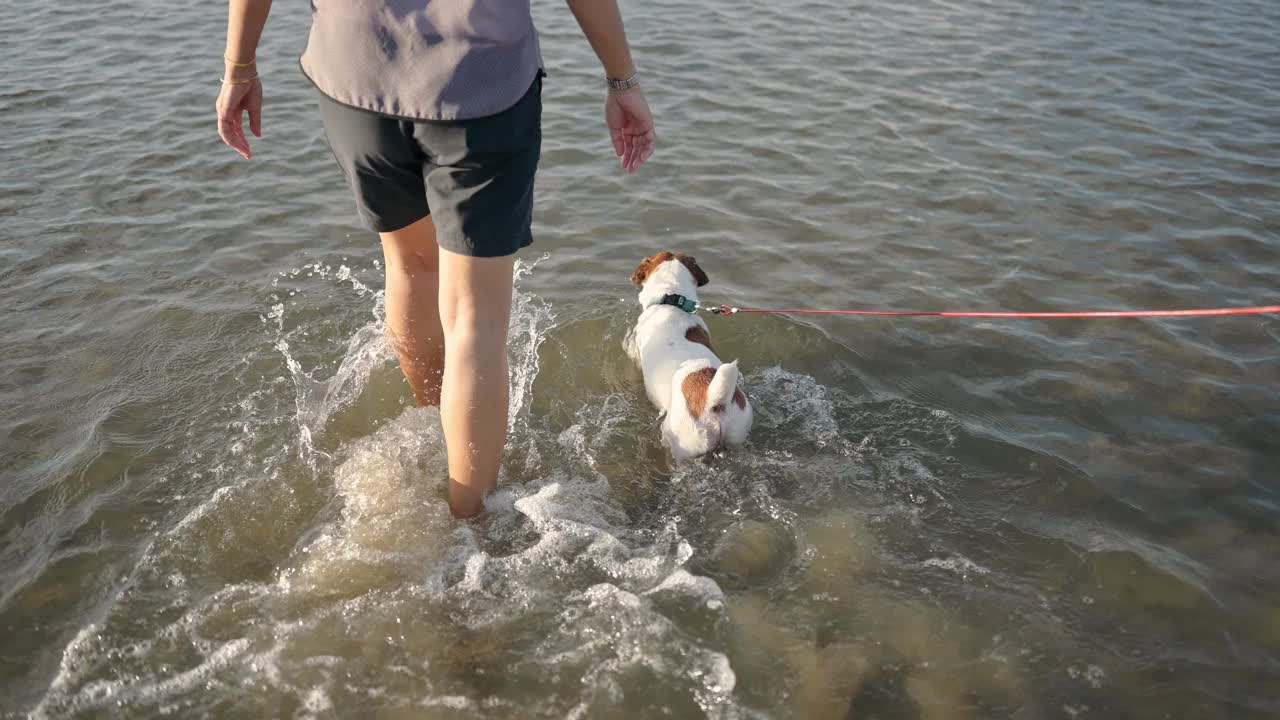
x: 653, y: 262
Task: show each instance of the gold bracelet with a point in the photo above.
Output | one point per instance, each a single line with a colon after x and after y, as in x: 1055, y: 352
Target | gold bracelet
x: 238, y: 64
x: 244, y: 81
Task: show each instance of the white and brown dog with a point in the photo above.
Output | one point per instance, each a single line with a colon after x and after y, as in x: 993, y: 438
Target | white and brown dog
x: 705, y: 410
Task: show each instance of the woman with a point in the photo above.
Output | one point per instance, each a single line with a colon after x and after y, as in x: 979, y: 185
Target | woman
x: 433, y: 109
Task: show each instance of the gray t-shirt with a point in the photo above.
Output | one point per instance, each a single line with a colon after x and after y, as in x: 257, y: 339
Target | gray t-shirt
x: 423, y: 59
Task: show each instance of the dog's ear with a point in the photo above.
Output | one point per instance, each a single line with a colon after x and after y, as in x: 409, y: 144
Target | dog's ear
x: 647, y: 266
x: 698, y: 275
x: 642, y: 273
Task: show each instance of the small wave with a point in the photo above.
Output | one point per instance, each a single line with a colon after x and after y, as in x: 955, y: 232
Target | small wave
x: 119, y: 693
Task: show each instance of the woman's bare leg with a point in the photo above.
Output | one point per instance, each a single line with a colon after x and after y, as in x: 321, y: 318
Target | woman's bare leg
x: 475, y: 310
x: 413, y: 310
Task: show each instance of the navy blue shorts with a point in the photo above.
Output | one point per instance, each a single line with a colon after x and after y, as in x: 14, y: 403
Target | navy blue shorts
x: 473, y: 177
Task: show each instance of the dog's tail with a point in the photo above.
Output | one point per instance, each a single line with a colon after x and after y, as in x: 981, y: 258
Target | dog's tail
x: 723, y: 385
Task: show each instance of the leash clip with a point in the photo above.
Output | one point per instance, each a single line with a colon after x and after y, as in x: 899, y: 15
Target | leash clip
x: 722, y: 310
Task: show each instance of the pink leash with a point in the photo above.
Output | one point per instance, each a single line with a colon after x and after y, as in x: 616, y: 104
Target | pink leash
x: 1262, y: 310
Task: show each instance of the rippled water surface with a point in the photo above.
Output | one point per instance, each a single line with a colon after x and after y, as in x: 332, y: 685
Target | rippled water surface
x: 217, y: 498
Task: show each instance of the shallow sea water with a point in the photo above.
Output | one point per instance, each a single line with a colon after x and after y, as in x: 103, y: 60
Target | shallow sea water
x: 217, y: 499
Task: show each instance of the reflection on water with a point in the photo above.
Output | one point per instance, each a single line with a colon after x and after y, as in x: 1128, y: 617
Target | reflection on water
x: 217, y: 499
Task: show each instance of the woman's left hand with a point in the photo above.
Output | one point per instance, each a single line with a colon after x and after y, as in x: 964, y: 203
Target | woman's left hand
x: 233, y: 102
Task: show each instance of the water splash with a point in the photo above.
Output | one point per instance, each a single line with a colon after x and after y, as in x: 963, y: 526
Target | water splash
x: 382, y: 558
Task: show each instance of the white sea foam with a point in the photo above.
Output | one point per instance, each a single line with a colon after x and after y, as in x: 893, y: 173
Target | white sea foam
x: 957, y: 564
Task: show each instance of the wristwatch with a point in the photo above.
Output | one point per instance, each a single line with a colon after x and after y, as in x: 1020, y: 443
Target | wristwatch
x: 624, y: 85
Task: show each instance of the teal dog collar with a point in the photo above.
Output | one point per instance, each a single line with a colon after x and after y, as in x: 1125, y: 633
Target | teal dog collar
x: 680, y: 301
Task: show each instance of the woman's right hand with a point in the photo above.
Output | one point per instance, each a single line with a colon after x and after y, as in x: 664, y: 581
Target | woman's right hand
x: 630, y: 127
x: 234, y: 101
